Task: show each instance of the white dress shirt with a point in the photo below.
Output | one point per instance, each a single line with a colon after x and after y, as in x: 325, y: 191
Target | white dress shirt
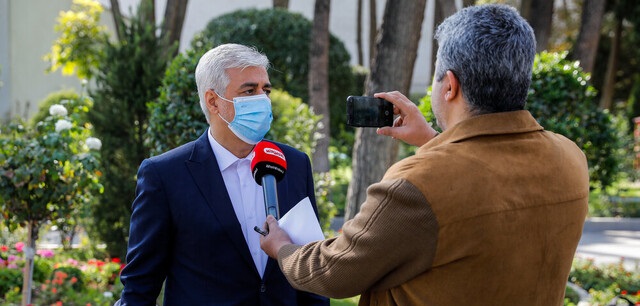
x: 246, y: 197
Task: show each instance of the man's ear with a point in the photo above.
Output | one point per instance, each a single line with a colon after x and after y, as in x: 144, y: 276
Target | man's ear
x: 210, y: 98
x: 453, y: 86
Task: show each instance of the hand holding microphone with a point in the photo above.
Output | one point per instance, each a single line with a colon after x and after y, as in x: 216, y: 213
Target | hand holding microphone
x: 268, y: 167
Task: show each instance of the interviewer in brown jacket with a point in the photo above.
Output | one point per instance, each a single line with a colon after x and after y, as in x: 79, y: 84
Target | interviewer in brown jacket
x: 489, y: 212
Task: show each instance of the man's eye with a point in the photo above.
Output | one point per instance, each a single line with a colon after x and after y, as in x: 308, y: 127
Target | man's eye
x: 267, y: 91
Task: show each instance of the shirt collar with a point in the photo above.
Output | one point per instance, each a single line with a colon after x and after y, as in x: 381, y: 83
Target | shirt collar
x: 223, y: 156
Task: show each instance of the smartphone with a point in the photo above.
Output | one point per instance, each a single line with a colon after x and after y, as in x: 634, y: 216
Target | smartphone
x: 365, y: 111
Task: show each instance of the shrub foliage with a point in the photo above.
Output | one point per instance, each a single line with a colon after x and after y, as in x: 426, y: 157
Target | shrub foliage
x: 562, y: 101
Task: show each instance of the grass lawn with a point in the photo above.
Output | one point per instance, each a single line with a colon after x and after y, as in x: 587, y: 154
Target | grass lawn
x: 352, y: 301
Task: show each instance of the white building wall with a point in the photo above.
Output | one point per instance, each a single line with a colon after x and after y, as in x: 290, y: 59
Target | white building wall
x: 5, y: 71
x: 31, y: 35
x: 26, y: 35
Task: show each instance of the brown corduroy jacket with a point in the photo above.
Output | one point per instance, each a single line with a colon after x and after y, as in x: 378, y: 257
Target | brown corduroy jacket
x: 490, y: 212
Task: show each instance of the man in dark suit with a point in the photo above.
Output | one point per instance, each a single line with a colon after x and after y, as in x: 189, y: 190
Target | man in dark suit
x: 196, y: 205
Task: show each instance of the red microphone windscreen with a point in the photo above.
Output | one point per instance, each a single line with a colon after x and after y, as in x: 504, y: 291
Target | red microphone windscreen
x: 268, y: 159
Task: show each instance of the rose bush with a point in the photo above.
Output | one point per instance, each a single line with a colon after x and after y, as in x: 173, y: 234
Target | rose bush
x: 49, y: 172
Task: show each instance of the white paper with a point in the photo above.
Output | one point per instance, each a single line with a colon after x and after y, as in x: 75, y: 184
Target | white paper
x: 301, y: 224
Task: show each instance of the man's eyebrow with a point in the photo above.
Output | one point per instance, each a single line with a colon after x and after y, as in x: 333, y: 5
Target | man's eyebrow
x: 253, y: 85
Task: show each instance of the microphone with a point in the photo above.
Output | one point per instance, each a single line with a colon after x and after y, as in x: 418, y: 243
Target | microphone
x: 268, y: 167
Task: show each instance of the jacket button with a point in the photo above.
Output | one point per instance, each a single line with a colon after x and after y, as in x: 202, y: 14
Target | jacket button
x: 263, y: 288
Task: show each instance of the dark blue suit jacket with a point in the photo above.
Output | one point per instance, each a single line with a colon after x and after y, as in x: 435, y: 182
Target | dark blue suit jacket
x: 184, y: 230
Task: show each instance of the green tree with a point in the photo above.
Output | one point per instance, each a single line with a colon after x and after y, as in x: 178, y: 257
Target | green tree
x: 48, y: 172
x: 617, y: 65
x: 127, y: 71
x: 123, y: 87
x: 79, y: 105
x: 78, y: 49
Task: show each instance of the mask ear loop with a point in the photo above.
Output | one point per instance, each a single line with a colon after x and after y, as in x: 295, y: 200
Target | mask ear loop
x: 223, y: 98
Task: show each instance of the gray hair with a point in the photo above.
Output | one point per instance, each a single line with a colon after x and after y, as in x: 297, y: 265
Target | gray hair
x: 490, y: 49
x: 211, y: 70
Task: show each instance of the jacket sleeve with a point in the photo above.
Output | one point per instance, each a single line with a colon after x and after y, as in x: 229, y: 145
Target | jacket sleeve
x: 149, y: 240
x: 391, y: 240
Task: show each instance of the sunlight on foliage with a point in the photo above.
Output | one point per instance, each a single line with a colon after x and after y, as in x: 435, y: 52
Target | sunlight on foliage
x: 77, y: 49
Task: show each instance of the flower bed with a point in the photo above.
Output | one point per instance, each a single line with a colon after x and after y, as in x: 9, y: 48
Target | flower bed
x: 59, y: 279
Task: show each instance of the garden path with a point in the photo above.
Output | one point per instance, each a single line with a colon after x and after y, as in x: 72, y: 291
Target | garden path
x: 611, y: 240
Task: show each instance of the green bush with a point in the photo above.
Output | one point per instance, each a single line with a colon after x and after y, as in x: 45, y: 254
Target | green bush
x: 562, y: 101
x: 10, y: 279
x: 175, y: 117
x: 71, y: 273
x: 284, y: 37
x: 571, y: 297
x: 67, y: 98
x: 42, y: 268
x: 294, y: 122
x: 614, y: 206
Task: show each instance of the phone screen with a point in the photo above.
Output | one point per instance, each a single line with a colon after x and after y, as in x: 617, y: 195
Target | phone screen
x: 365, y: 111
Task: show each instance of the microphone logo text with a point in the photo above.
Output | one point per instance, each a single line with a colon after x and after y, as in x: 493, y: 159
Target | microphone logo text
x: 274, y: 152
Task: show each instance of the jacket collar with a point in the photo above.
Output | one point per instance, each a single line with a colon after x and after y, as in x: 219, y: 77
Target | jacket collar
x: 487, y: 124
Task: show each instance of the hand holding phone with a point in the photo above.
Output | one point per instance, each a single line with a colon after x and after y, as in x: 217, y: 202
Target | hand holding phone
x: 411, y: 125
x: 365, y: 111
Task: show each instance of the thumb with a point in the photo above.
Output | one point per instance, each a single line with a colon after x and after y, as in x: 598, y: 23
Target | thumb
x: 386, y: 131
x: 271, y: 219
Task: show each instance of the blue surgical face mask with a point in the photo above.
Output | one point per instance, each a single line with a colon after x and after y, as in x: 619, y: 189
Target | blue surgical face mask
x: 253, y: 117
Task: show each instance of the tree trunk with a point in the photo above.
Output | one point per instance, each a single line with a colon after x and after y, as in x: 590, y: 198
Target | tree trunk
x: 319, y: 81
x: 442, y: 10
x: 586, y: 47
x: 466, y: 3
x: 281, y: 4
x: 67, y: 234
x: 373, y: 29
x: 117, y: 19
x: 29, y: 251
x: 359, y: 33
x: 608, y: 88
x: 147, y: 11
x: 525, y: 8
x: 392, y: 69
x: 447, y: 8
x: 172, y: 24
x: 539, y: 14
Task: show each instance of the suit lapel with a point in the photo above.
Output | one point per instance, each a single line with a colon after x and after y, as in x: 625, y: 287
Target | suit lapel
x: 204, y: 168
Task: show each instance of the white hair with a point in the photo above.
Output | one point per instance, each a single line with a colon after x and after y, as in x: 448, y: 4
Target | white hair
x: 211, y: 70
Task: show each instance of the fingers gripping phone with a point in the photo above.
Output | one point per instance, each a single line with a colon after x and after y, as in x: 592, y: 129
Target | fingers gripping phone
x: 365, y: 111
